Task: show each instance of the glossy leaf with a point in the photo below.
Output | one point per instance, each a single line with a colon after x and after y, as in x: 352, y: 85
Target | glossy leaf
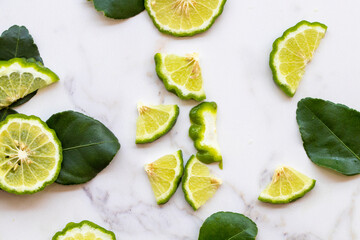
x: 330, y: 133
x: 6, y: 112
x: 119, y: 9
x: 226, y: 226
x: 88, y: 146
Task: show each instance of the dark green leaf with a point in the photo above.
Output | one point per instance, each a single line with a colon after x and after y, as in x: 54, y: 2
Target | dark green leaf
x: 88, y: 146
x: 331, y: 134
x: 119, y: 9
x: 6, y: 112
x: 23, y: 100
x: 228, y: 225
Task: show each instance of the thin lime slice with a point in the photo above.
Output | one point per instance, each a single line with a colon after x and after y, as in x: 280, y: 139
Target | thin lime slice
x: 198, y: 184
x: 181, y: 75
x: 30, y: 154
x: 164, y: 175
x: 286, y: 186
x: 19, y: 77
x: 184, y: 17
x: 84, y: 230
x: 155, y: 121
x: 292, y: 52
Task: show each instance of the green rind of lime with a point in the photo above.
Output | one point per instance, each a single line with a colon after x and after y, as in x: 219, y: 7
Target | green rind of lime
x: 106, y: 234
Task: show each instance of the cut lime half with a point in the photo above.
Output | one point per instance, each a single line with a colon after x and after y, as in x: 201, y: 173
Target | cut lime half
x: 30, y: 154
x: 184, y: 17
x: 164, y: 175
x: 84, y: 230
x: 286, y: 186
x: 181, y: 75
x: 292, y: 52
x: 19, y: 77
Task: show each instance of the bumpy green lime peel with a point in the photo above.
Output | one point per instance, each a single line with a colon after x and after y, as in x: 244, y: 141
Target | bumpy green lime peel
x: 119, y: 9
x: 203, y: 132
x: 82, y: 227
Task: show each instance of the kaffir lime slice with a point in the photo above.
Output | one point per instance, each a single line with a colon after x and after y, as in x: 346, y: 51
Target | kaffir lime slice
x: 19, y: 77
x: 154, y: 121
x: 30, y: 154
x: 84, y: 230
x: 286, y: 186
x: 198, y: 184
x: 181, y: 75
x: 292, y: 52
x: 184, y: 17
x: 164, y: 175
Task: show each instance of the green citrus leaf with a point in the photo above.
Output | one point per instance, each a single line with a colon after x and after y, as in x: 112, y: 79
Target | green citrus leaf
x: 119, y: 9
x: 6, y: 112
x: 330, y: 133
x: 88, y: 146
x: 226, y: 226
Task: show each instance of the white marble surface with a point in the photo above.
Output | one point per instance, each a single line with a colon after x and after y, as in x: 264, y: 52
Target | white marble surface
x: 106, y: 67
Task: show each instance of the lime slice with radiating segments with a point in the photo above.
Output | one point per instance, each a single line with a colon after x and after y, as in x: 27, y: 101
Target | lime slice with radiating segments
x: 181, y: 75
x: 30, y: 154
x: 85, y: 230
x: 198, y: 184
x: 292, y: 52
x: 19, y: 77
x: 164, y: 175
x: 286, y: 186
x: 184, y: 17
x: 154, y: 121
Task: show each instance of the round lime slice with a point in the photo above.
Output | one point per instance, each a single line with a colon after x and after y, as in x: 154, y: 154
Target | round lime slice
x: 84, y: 230
x: 286, y: 186
x: 292, y: 52
x: 184, y: 17
x: 30, y: 154
x: 19, y: 77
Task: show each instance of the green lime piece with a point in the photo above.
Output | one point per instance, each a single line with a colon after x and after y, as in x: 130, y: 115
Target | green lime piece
x: 198, y: 184
x: 184, y: 17
x: 286, y: 186
x: 203, y: 132
x: 292, y: 52
x: 181, y: 75
x: 155, y: 121
x: 19, y: 77
x: 84, y: 230
x: 165, y: 175
x: 30, y: 154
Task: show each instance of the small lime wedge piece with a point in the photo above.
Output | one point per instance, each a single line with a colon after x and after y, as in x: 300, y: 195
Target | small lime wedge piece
x: 155, y: 121
x: 184, y: 17
x: 286, y: 186
x: 30, y: 154
x: 19, y: 77
x: 198, y: 184
x: 181, y: 75
x: 84, y: 230
x: 165, y: 175
x: 292, y: 52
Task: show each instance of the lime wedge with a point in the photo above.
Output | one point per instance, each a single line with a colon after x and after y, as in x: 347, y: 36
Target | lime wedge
x: 198, y: 185
x: 84, y: 230
x: 155, y: 121
x: 181, y: 75
x: 184, y: 17
x: 164, y: 175
x: 30, y: 154
x: 19, y: 77
x: 286, y: 186
x: 292, y: 52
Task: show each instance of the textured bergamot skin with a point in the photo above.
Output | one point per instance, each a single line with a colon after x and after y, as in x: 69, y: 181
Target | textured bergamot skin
x: 160, y: 71
x: 183, y: 33
x: 203, y: 132
x: 22, y: 65
x: 275, y: 49
x: 84, y: 225
x: 56, y: 170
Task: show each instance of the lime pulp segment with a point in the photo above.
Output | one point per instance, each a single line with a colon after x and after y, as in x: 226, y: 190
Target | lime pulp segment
x: 292, y: 52
x: 30, y: 154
